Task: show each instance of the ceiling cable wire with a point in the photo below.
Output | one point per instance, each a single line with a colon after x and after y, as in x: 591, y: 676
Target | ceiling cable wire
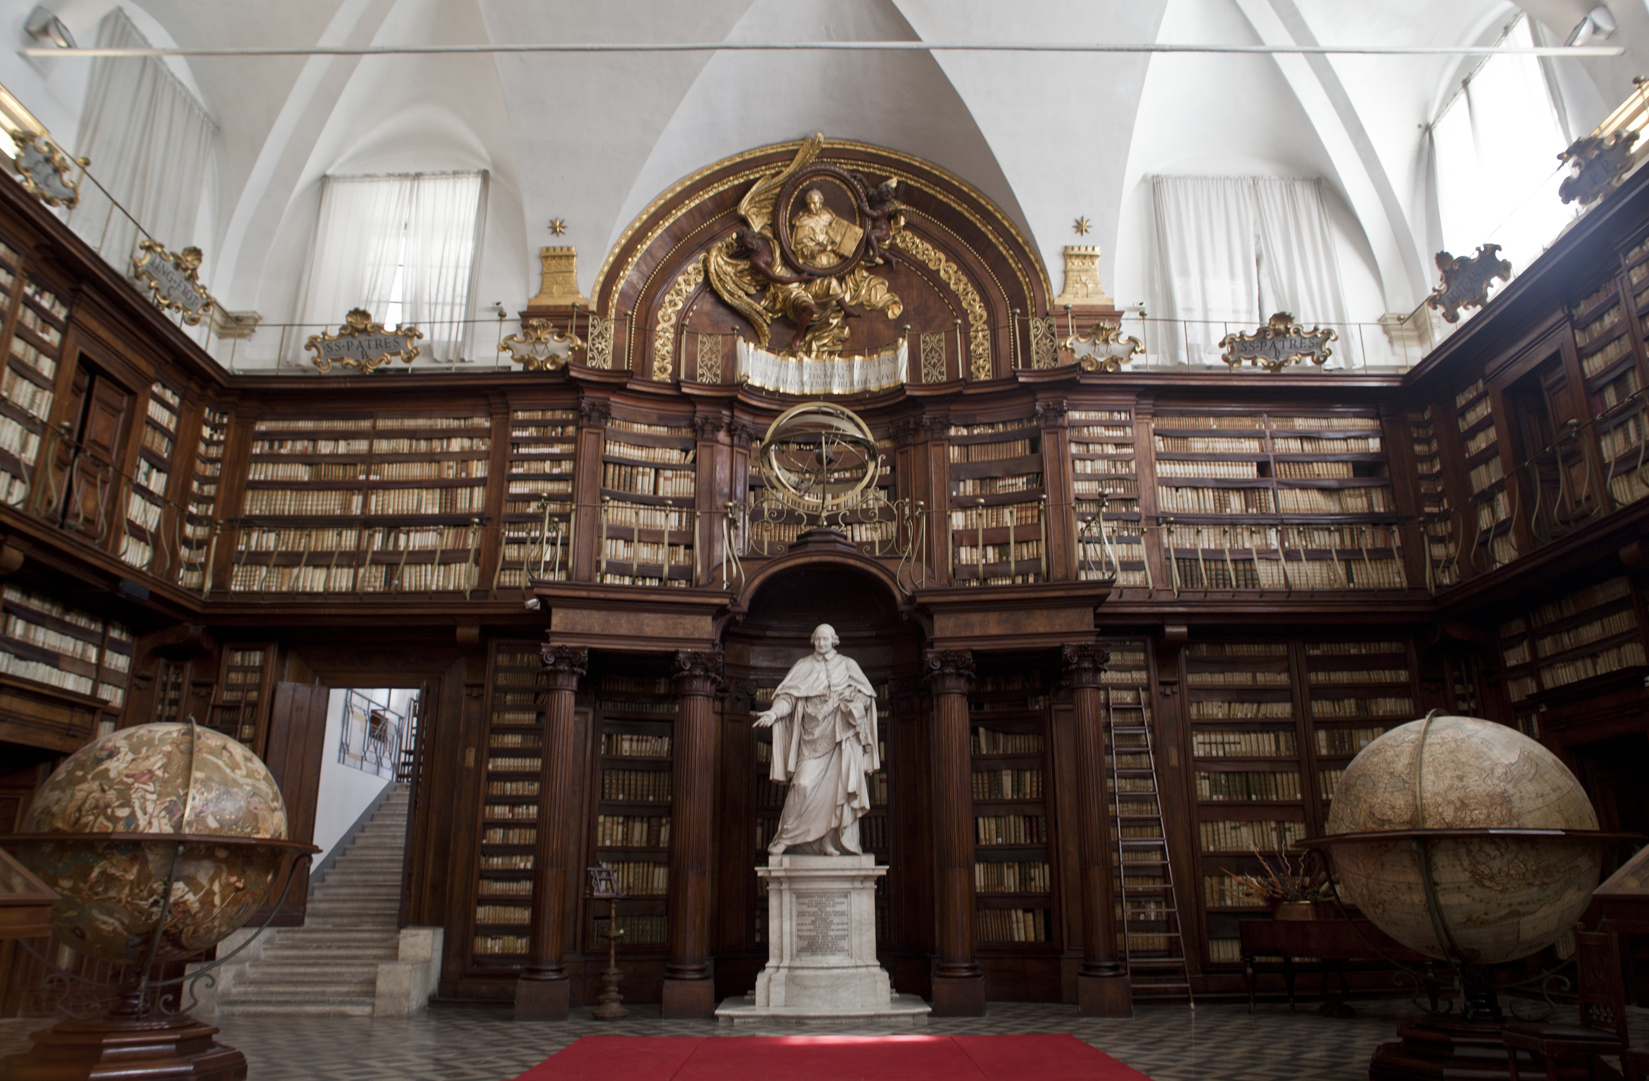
x: 839, y: 46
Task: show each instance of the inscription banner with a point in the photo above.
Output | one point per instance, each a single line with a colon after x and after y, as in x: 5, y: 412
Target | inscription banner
x: 801, y: 375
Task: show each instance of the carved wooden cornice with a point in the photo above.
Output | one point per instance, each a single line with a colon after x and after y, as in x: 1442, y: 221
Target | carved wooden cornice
x: 698, y: 671
x: 563, y: 665
x: 1084, y: 663
x: 949, y: 671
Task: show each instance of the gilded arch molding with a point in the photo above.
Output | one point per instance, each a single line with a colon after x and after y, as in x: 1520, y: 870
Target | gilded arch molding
x: 958, y: 254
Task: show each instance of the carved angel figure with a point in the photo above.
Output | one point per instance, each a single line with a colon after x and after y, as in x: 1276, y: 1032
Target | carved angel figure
x: 748, y: 270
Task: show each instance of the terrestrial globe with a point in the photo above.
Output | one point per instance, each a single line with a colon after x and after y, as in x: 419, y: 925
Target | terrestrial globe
x: 146, y: 806
x: 1490, y: 849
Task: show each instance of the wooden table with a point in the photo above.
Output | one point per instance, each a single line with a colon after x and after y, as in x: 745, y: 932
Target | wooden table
x: 1333, y: 942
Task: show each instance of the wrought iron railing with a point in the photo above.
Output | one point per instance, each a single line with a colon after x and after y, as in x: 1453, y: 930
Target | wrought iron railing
x: 372, y: 736
x: 764, y: 525
x: 77, y: 490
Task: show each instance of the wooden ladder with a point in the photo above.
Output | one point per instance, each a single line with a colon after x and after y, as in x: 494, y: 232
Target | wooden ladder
x: 1148, y: 915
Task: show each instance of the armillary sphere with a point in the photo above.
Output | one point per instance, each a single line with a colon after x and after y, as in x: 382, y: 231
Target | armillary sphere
x: 818, y: 458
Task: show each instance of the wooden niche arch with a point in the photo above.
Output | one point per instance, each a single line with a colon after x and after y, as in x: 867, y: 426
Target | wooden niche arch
x: 960, y: 268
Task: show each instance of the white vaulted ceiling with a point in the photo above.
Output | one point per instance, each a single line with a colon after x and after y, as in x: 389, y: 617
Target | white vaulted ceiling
x: 593, y: 138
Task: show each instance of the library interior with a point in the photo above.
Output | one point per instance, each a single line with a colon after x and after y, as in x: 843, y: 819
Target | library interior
x: 861, y: 527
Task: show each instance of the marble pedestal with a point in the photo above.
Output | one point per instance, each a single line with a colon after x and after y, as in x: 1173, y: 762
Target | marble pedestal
x: 821, y: 953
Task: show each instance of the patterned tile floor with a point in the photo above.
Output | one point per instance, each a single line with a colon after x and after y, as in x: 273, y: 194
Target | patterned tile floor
x: 481, y: 1043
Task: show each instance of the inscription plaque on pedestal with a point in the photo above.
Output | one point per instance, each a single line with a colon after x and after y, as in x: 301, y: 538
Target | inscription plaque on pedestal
x: 822, y: 927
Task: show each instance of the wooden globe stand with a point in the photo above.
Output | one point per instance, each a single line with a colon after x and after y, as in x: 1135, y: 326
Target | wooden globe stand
x: 136, y: 1039
x: 124, y: 1043
x: 1467, y: 1045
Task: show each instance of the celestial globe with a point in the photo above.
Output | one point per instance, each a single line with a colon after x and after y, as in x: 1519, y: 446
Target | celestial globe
x: 1499, y: 896
x: 99, y: 837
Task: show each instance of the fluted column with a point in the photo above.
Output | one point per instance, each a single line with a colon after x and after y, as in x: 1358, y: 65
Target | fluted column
x: 689, y: 984
x: 1102, y: 984
x: 958, y: 985
x: 543, y: 993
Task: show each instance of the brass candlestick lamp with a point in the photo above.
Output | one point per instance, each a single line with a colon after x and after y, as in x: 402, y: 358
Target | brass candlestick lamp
x: 603, y: 887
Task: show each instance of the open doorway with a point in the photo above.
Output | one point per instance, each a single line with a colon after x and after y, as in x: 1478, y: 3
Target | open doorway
x: 370, y: 743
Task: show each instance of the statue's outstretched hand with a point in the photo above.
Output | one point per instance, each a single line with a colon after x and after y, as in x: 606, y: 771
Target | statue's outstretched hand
x: 765, y: 719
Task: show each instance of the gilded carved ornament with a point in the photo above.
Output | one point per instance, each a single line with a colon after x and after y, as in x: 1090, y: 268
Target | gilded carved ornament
x: 45, y: 171
x: 979, y: 335
x: 1105, y: 348
x: 811, y: 231
x: 541, y: 346
x: 1600, y: 163
x: 1466, y: 280
x: 669, y: 310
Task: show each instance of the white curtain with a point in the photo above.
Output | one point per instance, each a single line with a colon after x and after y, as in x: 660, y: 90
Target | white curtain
x: 1230, y: 251
x: 150, y: 144
x: 1497, y: 143
x: 403, y: 248
x: 1298, y: 270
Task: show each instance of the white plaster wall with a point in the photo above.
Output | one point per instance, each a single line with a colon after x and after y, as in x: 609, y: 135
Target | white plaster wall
x: 345, y: 791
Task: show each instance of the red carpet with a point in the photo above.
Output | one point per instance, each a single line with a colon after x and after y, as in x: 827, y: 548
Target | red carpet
x: 831, y: 1058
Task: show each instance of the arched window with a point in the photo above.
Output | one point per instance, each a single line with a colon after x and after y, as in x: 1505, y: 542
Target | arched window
x: 405, y: 248
x: 1495, y: 143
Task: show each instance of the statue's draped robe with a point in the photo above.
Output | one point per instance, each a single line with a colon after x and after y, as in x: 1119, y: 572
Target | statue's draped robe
x: 824, y: 748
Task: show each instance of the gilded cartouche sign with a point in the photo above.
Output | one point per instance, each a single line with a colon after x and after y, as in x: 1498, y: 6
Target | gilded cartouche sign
x: 1278, y: 344
x: 172, y: 281
x: 363, y: 345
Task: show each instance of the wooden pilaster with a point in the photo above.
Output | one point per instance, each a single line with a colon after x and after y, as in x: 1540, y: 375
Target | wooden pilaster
x: 543, y: 992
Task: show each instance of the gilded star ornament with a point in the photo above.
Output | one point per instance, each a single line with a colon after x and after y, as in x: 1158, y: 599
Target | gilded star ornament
x: 1082, y: 225
x: 558, y: 226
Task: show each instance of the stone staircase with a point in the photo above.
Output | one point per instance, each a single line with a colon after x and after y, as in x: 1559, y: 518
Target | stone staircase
x: 330, y: 965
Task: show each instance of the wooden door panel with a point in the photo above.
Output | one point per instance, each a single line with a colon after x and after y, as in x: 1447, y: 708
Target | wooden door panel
x: 297, y: 732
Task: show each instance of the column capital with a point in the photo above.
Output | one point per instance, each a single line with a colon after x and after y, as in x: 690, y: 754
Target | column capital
x: 563, y: 665
x: 698, y: 671
x: 950, y: 671
x: 1084, y: 663
x: 593, y: 413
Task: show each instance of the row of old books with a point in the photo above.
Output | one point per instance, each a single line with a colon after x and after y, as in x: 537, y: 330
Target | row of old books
x: 989, y: 741
x: 660, y: 455
x: 504, y: 887
x: 512, y: 788
x: 623, y: 743
x: 640, y: 879
x: 632, y: 831
x: 1371, y: 706
x: 990, y: 452
x: 1267, y: 785
x: 523, y: 812
x: 1007, y: 784
x: 647, y: 480
x: 1011, y: 925
x: 1010, y: 829
x: 644, y: 785
x: 1244, y: 836
x: 1275, y: 743
x: 1011, y: 877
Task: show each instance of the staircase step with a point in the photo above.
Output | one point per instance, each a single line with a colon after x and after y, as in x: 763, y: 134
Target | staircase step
x: 297, y: 1004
